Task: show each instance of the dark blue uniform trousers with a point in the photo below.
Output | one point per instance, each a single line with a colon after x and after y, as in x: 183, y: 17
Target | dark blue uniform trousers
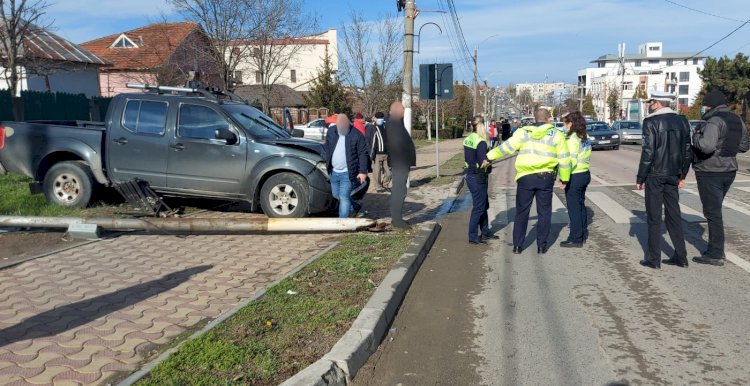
x: 479, y: 220
x: 575, y: 195
x: 537, y: 186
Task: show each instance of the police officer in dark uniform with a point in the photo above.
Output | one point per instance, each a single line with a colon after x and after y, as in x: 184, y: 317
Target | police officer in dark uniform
x: 476, y: 146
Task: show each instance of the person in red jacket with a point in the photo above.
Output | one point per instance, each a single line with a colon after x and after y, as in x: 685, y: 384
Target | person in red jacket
x: 359, y: 124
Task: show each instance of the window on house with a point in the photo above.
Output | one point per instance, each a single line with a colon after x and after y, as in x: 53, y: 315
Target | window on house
x: 683, y: 89
x: 671, y: 89
x: 670, y: 62
x: 637, y: 63
x: 124, y: 42
x: 238, y: 76
x: 145, y: 117
x: 653, y: 61
x: 682, y: 101
x: 258, y: 77
x: 684, y: 76
x: 656, y: 48
x: 627, y: 86
x: 696, y: 61
x: 199, y: 122
x: 293, y: 76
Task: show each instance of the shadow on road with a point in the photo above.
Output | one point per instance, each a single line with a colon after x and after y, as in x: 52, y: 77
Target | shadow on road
x: 70, y: 316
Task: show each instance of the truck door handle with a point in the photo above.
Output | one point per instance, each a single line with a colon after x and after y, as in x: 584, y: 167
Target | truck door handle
x: 120, y: 141
x: 178, y: 147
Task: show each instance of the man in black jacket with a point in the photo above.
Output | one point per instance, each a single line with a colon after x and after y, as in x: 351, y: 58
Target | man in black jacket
x: 347, y: 161
x: 665, y: 161
x: 378, y: 152
x: 401, y: 157
x: 716, y: 144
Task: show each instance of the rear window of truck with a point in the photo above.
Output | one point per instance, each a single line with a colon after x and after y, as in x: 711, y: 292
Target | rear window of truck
x: 145, y: 117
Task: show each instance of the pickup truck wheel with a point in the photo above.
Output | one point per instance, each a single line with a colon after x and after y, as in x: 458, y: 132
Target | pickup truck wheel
x: 69, y: 184
x: 284, y: 195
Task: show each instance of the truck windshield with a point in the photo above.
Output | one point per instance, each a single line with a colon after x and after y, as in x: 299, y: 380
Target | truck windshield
x: 256, y: 123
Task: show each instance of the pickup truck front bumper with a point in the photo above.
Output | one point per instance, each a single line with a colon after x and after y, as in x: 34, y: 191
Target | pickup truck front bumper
x: 320, y: 192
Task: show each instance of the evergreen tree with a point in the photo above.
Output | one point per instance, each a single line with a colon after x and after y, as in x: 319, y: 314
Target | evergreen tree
x: 640, y: 92
x: 588, y: 107
x: 327, y: 91
x: 732, y: 77
x: 613, y: 100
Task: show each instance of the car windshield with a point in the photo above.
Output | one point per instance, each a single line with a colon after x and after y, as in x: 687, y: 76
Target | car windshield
x: 630, y: 125
x: 256, y: 123
x: 597, y: 127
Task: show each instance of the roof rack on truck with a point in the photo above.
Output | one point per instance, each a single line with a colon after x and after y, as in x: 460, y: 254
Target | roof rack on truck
x: 210, y: 93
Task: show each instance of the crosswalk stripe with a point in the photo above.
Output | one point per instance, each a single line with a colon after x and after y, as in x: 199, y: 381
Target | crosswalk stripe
x: 728, y: 203
x: 611, y: 208
x: 599, y: 180
x: 743, y: 188
x: 559, y: 211
x: 740, y: 262
x: 688, y: 213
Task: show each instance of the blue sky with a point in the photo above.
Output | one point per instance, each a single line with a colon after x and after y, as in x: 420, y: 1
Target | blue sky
x: 534, y: 38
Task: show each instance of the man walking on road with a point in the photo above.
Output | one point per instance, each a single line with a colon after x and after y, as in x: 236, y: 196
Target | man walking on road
x: 716, y: 145
x: 402, y: 155
x: 379, y: 153
x: 665, y: 161
x: 542, y: 153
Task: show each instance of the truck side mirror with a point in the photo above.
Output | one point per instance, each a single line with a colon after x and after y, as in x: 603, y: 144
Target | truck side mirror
x: 227, y: 135
x: 298, y: 133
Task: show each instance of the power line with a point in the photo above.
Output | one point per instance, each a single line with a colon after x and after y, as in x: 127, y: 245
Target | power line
x: 703, y: 12
x: 722, y: 39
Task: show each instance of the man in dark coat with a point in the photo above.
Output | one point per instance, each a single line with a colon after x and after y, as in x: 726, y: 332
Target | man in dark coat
x: 378, y: 152
x: 665, y: 161
x: 348, y: 161
x: 716, y: 144
x: 402, y: 155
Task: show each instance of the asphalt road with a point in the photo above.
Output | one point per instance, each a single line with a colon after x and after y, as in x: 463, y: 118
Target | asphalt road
x: 590, y: 316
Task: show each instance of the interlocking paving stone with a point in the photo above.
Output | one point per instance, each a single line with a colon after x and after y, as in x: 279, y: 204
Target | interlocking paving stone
x: 81, y: 316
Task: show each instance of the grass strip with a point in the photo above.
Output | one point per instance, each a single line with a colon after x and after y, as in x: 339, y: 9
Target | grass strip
x: 18, y: 200
x: 293, y: 325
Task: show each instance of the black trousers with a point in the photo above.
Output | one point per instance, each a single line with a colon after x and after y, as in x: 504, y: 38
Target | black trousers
x: 533, y: 186
x: 575, y: 195
x: 479, y: 223
x: 663, y: 192
x: 399, y: 175
x: 712, y: 190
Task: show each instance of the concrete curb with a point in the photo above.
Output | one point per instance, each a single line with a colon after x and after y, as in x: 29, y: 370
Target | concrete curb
x: 146, y: 368
x: 350, y: 353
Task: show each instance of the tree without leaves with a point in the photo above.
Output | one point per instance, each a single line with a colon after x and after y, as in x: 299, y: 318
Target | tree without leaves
x: 18, y: 18
x: 228, y: 23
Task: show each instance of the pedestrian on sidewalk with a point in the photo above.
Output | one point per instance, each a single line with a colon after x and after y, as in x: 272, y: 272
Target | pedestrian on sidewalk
x: 379, y: 153
x: 665, y: 161
x: 477, y: 179
x: 359, y: 124
x: 579, y: 147
x: 402, y: 155
x: 493, y: 132
x: 506, y: 129
x: 347, y: 163
x: 715, y: 146
x: 542, y: 153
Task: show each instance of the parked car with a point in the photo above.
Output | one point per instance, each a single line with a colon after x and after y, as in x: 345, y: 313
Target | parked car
x: 630, y: 131
x: 602, y: 136
x: 181, y: 145
x: 315, y: 129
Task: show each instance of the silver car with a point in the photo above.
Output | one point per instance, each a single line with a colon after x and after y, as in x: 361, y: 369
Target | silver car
x: 630, y: 131
x: 315, y: 129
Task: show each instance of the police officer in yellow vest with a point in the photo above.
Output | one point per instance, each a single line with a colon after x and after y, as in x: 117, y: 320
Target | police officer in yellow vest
x: 476, y: 146
x: 579, y: 147
x: 542, y: 154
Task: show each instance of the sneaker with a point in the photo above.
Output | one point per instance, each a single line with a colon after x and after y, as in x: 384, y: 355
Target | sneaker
x: 708, y: 260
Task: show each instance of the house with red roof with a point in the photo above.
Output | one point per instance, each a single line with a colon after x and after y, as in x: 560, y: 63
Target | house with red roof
x: 159, y: 53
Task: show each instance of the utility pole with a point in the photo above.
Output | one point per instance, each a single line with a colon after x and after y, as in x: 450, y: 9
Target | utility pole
x: 622, y: 80
x: 408, y: 62
x: 474, y: 87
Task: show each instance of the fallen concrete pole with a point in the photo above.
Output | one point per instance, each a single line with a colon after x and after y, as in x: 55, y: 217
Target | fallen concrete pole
x: 196, y: 225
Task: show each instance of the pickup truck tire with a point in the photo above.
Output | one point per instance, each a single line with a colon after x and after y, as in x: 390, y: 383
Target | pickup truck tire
x: 69, y: 183
x: 284, y: 195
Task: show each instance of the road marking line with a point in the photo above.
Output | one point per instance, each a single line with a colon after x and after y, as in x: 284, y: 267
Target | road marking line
x: 728, y: 203
x: 738, y: 261
x: 599, y: 180
x: 688, y: 214
x: 615, y: 211
x: 559, y: 212
x: 744, y: 189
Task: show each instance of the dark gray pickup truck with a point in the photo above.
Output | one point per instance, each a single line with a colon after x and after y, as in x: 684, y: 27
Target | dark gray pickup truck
x: 182, y: 145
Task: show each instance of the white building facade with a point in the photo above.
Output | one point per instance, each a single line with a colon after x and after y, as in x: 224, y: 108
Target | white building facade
x: 304, y: 66
x: 542, y: 92
x: 650, y: 69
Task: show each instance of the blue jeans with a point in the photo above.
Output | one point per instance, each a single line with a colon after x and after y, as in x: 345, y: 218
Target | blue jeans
x: 575, y: 195
x: 341, y: 188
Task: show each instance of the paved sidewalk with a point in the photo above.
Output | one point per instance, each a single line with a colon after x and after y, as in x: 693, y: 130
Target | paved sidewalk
x: 93, y: 314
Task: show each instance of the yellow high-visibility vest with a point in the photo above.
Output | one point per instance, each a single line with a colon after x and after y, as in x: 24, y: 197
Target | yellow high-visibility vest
x: 540, y: 149
x: 580, y: 154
